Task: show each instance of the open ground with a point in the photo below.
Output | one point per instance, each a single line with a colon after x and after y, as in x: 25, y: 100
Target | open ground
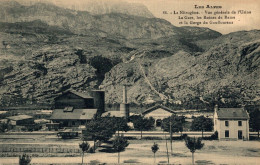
x: 139, y: 151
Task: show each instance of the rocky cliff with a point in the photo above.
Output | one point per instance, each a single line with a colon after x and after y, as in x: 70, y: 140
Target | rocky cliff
x: 46, y: 50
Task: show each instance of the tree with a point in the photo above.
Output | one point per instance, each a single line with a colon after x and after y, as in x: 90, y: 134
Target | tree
x: 84, y: 146
x: 99, y: 129
x: 143, y: 124
x: 172, y: 124
x: 202, y: 124
x: 176, y: 123
x: 119, y: 145
x: 119, y: 123
x: 254, y: 121
x: 24, y: 159
x: 193, y: 144
x: 3, y: 127
x: 155, y: 148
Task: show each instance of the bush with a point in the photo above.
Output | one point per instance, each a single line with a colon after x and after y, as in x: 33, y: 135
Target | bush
x: 184, y: 136
x: 91, y: 150
x: 152, y: 138
x: 24, y: 159
x: 214, y: 136
x: 130, y: 138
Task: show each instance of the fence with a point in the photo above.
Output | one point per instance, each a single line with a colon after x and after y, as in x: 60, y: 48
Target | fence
x: 40, y: 150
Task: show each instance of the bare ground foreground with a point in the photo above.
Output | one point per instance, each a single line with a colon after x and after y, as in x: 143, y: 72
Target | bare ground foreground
x: 139, y: 151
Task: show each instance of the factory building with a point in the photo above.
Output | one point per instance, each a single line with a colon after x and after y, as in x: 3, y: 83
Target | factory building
x: 21, y: 120
x: 124, y: 110
x: 73, y: 109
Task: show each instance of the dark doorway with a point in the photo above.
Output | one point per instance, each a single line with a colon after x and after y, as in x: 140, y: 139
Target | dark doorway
x: 240, y: 134
x: 65, y: 124
x: 158, y: 123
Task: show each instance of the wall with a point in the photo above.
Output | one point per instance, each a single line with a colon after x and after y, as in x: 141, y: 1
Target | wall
x: 72, y: 100
x: 70, y: 123
x: 99, y: 100
x: 25, y: 121
x: 233, y: 129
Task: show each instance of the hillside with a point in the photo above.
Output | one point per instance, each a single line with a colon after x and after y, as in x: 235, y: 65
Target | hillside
x: 98, y: 7
x: 227, y: 71
x: 46, y: 50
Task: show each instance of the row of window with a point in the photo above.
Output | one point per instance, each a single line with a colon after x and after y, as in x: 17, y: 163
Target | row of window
x: 227, y: 123
x: 239, y: 134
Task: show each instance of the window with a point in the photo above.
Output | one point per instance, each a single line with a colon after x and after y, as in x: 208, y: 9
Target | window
x: 226, y: 123
x: 239, y: 123
x: 240, y: 134
x: 226, y: 133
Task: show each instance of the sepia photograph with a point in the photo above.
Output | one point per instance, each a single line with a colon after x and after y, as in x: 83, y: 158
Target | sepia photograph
x: 106, y: 82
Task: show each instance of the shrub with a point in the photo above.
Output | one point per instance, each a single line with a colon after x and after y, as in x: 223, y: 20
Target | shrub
x: 130, y: 138
x: 91, y: 150
x: 152, y: 138
x: 24, y: 159
x: 214, y: 136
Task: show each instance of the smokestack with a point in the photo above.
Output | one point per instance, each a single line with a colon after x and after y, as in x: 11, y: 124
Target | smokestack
x: 124, y: 107
x: 124, y: 95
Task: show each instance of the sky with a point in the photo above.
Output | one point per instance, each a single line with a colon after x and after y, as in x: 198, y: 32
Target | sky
x: 241, y: 21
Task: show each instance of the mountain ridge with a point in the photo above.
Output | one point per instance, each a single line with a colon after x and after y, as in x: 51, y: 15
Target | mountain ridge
x: 162, y: 63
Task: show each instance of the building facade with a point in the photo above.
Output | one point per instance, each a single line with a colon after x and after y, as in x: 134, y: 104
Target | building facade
x: 73, y: 109
x: 158, y: 112
x: 231, y: 123
x: 21, y: 120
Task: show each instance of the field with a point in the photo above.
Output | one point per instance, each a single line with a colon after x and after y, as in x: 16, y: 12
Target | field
x: 139, y: 151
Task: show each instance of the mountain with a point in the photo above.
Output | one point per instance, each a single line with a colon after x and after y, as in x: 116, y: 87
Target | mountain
x: 46, y: 50
x: 107, y: 7
x: 98, y: 7
x: 82, y: 22
x: 228, y: 71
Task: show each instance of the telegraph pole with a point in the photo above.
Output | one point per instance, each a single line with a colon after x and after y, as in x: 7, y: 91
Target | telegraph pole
x: 171, y: 133
x: 167, y: 149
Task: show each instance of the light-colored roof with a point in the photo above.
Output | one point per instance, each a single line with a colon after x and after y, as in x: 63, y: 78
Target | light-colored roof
x: 112, y: 113
x: 232, y: 113
x: 157, y: 107
x: 19, y: 117
x: 115, y: 114
x: 76, y: 114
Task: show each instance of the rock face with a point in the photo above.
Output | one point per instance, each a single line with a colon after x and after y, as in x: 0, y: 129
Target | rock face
x: 46, y: 50
x: 228, y: 71
x: 82, y: 22
x: 99, y: 7
x: 111, y: 6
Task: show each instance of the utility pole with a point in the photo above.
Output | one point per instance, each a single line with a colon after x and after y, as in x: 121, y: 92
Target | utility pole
x: 171, y: 133
x: 167, y: 149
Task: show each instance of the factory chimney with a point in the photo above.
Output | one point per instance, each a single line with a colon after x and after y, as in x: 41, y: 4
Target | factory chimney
x: 124, y: 106
x: 124, y: 95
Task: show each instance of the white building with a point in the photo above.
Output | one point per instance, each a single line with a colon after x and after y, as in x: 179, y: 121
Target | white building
x: 231, y: 123
x: 158, y: 112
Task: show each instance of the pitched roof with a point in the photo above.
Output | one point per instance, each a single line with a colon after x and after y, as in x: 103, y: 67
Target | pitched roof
x: 76, y: 114
x: 80, y: 94
x: 19, y: 117
x: 115, y: 114
x: 112, y: 113
x: 156, y: 107
x: 232, y: 113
